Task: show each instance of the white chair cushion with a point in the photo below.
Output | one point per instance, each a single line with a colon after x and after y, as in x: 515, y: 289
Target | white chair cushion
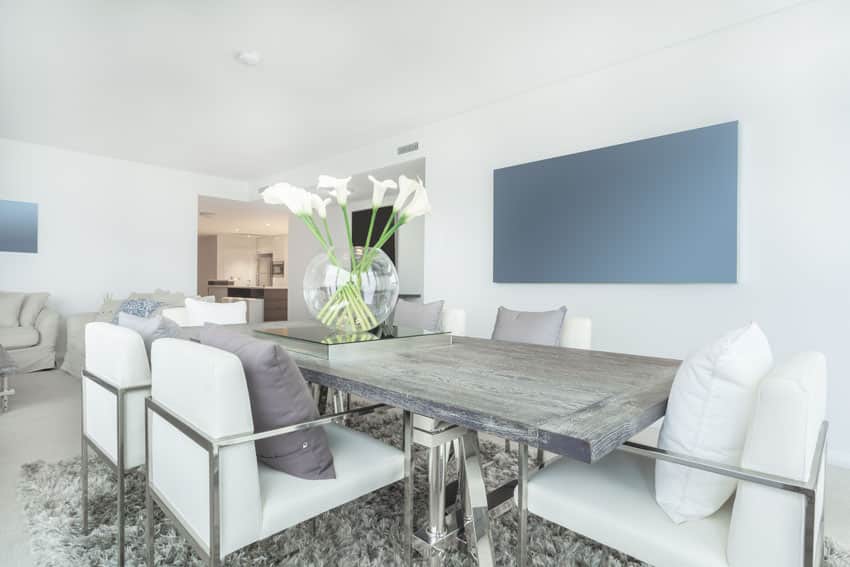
x: 362, y: 464
x: 200, y: 312
x: 707, y: 416
x: 18, y: 337
x: 767, y: 524
x: 612, y: 502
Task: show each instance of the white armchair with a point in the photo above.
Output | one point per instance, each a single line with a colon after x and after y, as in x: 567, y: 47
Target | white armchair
x: 199, y: 311
x: 202, y: 466
x: 775, y: 519
x: 116, y: 379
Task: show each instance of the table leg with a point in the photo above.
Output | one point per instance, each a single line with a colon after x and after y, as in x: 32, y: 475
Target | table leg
x: 437, y: 460
x: 5, y: 396
x: 476, y: 498
x: 522, y: 504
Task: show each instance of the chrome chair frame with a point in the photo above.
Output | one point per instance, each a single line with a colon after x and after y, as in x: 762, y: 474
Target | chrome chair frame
x: 211, y: 553
x: 811, y: 555
x: 118, y: 466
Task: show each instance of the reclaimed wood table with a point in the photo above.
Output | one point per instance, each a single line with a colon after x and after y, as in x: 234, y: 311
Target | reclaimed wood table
x: 579, y: 403
x: 7, y: 368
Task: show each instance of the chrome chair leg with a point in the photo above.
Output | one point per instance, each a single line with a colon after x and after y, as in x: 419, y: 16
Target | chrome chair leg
x: 149, y: 553
x: 84, y: 480
x: 507, y: 446
x: 120, y: 472
x: 407, y: 538
x: 522, y: 503
x: 539, y: 458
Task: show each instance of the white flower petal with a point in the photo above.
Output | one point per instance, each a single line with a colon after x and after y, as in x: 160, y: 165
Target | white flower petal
x: 379, y: 188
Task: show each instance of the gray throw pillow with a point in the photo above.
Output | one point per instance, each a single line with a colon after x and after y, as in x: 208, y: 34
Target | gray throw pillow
x: 532, y: 327
x: 138, y: 307
x: 151, y: 328
x: 279, y: 397
x: 418, y: 315
x: 10, y: 308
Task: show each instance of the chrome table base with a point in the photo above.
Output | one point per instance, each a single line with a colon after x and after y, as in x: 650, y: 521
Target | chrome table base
x: 459, y: 512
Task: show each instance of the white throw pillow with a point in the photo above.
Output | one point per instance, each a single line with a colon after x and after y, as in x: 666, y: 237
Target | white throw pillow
x: 707, y: 417
x: 200, y: 312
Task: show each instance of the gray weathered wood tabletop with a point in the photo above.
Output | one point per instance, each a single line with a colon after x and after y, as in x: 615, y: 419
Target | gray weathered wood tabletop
x: 579, y: 403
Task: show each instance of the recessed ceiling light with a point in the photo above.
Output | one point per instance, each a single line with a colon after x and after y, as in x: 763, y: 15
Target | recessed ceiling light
x: 237, y: 230
x: 248, y: 57
x: 268, y: 224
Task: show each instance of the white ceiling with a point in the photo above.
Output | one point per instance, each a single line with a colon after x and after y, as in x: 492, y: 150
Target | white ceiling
x: 241, y: 217
x: 156, y: 81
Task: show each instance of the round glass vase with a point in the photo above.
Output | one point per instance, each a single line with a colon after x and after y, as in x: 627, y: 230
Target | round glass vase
x: 351, y: 295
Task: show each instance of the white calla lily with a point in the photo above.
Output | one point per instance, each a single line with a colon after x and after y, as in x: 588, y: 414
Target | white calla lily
x: 338, y: 186
x: 296, y: 199
x: 379, y: 188
x: 418, y: 206
x: 406, y: 187
x: 320, y: 205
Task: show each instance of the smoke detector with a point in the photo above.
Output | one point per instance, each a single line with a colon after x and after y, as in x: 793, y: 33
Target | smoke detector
x: 247, y: 57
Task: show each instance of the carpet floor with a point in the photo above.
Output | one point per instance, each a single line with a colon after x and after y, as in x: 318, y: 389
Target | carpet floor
x: 364, y: 532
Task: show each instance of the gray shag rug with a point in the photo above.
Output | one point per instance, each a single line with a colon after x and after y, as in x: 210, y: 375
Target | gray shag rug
x: 365, y: 532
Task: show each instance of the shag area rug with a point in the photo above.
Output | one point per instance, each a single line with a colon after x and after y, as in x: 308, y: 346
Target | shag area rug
x: 364, y: 532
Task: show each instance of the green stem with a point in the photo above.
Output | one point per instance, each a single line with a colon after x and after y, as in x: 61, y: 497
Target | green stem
x: 348, y: 234
x: 371, y: 225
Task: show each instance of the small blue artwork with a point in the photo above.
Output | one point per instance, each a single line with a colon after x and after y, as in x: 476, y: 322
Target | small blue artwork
x: 18, y: 227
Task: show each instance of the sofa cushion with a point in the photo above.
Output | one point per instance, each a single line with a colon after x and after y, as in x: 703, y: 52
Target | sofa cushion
x: 18, y: 337
x: 532, y: 327
x: 33, y: 304
x: 10, y: 308
x: 707, y: 416
x: 418, y: 315
x: 138, y: 307
x: 279, y: 397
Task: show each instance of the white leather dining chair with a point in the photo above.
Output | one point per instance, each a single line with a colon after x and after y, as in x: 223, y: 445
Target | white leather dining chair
x: 203, y: 470
x: 774, y: 520
x: 116, y: 379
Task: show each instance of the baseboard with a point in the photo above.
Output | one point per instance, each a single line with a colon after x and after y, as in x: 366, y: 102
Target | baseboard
x: 838, y: 459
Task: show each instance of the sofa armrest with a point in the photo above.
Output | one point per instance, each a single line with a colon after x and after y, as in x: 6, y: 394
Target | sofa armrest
x: 75, y: 342
x: 47, y: 325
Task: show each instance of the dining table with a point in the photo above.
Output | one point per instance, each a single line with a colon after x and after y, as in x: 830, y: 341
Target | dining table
x: 581, y: 404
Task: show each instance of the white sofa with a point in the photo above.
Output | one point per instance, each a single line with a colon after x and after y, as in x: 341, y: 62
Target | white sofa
x: 613, y: 501
x: 28, y: 330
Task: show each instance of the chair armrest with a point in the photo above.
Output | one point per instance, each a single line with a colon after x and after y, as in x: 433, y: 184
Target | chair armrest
x: 765, y: 479
x: 324, y: 420
x: 211, y: 444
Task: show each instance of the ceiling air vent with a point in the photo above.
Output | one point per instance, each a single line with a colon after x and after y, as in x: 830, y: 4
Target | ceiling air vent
x: 206, y: 214
x: 406, y: 149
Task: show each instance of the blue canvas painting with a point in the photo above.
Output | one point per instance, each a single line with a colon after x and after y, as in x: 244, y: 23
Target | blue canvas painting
x: 18, y: 227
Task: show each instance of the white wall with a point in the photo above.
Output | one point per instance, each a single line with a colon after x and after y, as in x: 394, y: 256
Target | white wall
x: 784, y: 77
x: 237, y: 259
x: 279, y: 247
x: 104, y: 226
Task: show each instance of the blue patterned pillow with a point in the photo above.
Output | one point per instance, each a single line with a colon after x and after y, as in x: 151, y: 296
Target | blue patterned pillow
x: 138, y: 307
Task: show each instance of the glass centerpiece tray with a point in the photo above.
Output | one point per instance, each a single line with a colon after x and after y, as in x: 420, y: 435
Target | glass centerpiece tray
x: 322, y: 342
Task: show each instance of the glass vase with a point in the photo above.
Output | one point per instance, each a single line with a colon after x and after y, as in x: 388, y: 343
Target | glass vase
x: 351, y: 294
